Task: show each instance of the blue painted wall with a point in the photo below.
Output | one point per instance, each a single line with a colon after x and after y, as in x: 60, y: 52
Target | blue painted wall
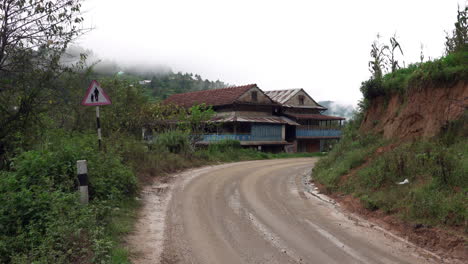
x: 265, y: 132
x: 259, y: 132
x: 318, y: 133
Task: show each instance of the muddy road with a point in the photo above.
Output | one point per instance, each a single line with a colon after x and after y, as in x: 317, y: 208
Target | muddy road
x: 257, y: 212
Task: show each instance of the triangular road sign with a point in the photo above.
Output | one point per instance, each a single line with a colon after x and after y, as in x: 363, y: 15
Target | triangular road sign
x: 95, y: 95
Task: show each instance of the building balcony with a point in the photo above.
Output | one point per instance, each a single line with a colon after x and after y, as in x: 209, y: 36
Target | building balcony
x: 318, y: 133
x: 240, y: 137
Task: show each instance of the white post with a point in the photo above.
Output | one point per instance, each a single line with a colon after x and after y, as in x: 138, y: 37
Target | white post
x: 98, y: 124
x: 82, y: 169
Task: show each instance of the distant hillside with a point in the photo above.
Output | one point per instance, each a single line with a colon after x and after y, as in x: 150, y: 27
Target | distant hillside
x: 337, y: 109
x: 158, y: 81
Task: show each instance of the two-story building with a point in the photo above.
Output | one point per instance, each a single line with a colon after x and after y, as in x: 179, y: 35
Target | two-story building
x: 315, y: 130
x: 244, y: 113
x: 272, y: 121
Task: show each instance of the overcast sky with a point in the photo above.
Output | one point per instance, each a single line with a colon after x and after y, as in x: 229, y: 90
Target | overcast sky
x: 321, y: 46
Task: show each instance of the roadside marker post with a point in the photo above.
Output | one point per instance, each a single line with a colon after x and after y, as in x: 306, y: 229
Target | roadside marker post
x: 98, y: 125
x: 95, y: 96
x: 82, y: 169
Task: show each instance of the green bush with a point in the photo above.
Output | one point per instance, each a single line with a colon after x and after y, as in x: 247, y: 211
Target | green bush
x: 436, y: 169
x: 225, y: 145
x: 173, y: 141
x: 41, y: 220
x: 351, y: 152
x: 444, y: 71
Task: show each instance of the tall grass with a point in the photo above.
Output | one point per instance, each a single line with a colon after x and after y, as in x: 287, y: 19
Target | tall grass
x: 436, y: 169
x: 440, y: 72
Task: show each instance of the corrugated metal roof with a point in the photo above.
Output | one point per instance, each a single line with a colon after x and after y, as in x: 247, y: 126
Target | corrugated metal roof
x: 256, y: 119
x: 316, y: 117
x: 282, y: 96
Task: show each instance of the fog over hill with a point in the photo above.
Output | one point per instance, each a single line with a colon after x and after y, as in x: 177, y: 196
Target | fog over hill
x: 338, y: 109
x: 104, y: 66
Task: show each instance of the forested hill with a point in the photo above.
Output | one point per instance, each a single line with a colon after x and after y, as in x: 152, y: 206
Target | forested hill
x: 159, y: 81
x: 159, y: 86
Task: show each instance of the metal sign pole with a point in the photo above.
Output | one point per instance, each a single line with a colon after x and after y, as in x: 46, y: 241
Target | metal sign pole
x: 95, y: 96
x: 98, y: 124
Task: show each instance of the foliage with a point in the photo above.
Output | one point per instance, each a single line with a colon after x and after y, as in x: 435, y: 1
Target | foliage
x: 164, y: 85
x: 173, y: 141
x: 196, y: 121
x: 458, y: 40
x: 378, y: 63
x: 225, y: 145
x: 394, y: 44
x: 436, y: 169
x: 231, y: 150
x: 443, y: 71
x: 33, y: 35
x: 351, y: 152
x: 446, y: 70
x: 40, y: 216
x: 32, y: 26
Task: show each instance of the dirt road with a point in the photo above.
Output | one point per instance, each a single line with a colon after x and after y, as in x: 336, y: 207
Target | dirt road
x: 257, y: 212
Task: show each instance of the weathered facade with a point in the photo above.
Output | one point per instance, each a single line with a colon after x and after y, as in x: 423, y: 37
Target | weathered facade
x: 273, y: 121
x: 315, y: 131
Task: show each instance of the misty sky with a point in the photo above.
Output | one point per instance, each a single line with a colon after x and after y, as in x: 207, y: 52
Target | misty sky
x: 321, y: 46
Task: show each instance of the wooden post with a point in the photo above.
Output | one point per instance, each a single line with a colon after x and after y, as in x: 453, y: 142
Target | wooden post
x: 82, y: 169
x: 98, y: 124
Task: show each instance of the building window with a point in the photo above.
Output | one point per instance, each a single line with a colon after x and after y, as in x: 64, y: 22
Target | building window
x: 254, y: 96
x: 301, y: 100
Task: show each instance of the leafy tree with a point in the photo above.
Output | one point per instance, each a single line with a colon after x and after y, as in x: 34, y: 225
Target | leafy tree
x: 197, y: 121
x: 34, y: 25
x: 458, y: 40
x: 378, y: 63
x: 33, y: 35
x: 391, y: 56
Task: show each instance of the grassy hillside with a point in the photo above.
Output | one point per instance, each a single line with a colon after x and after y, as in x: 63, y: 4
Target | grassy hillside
x: 367, y: 166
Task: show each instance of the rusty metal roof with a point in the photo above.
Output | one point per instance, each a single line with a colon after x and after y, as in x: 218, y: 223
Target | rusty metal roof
x: 212, y: 97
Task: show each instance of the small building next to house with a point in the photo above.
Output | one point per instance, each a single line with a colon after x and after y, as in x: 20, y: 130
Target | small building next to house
x: 285, y: 120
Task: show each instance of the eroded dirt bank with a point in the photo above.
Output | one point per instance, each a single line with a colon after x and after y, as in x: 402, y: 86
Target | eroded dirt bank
x: 257, y: 212
x: 420, y: 113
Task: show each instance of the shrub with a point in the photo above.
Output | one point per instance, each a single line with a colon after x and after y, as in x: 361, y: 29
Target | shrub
x: 225, y: 145
x: 173, y: 141
x: 444, y: 71
x: 41, y: 220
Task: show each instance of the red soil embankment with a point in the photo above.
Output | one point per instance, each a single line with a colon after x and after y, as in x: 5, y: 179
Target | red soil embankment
x: 420, y: 113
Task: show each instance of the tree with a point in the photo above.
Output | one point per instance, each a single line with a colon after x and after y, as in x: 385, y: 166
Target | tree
x: 378, y: 64
x: 33, y: 36
x: 196, y: 121
x: 391, y: 56
x: 458, y: 40
x: 31, y: 25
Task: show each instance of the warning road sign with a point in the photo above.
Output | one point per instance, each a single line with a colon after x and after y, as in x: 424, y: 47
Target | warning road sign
x: 95, y: 95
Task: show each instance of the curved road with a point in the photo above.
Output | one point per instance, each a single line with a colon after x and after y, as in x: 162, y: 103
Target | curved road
x: 258, y: 212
